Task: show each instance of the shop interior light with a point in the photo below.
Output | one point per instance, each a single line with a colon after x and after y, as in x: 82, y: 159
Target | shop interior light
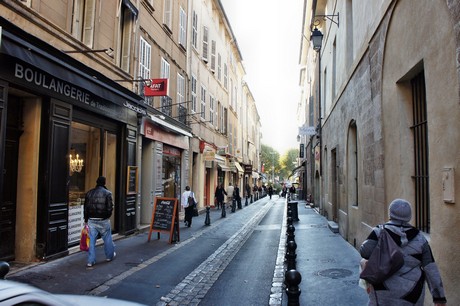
x: 76, y: 164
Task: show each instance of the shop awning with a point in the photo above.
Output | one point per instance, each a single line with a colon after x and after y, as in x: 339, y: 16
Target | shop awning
x: 298, y: 168
x: 238, y: 167
x: 223, y: 167
x: 255, y: 175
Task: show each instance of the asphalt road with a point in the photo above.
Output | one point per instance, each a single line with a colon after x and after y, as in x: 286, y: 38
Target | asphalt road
x: 229, y: 263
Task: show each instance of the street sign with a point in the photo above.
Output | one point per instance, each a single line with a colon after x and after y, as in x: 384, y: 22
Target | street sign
x: 307, y: 130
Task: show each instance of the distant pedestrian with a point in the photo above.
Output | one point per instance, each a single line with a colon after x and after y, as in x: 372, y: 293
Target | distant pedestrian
x: 284, y: 191
x: 188, y: 202
x: 248, y: 193
x: 407, y: 285
x: 97, y: 210
x: 270, y: 191
x: 219, y: 196
x: 230, y: 190
x: 237, y: 196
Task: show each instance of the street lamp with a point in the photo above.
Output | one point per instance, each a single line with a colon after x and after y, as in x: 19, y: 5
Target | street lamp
x: 317, y: 40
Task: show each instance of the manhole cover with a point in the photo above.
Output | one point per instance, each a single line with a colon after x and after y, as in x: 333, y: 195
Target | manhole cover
x: 335, y: 273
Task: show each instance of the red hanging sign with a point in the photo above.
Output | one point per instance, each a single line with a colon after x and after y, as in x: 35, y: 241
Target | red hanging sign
x: 158, y: 87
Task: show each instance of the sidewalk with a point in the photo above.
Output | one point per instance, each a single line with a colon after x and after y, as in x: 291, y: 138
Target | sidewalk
x: 69, y: 274
x: 328, y: 264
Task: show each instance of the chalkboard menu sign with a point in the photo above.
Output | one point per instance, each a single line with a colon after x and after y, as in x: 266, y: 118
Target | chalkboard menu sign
x: 165, y: 218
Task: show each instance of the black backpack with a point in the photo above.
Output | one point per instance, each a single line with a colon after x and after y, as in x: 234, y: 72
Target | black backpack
x: 191, y: 201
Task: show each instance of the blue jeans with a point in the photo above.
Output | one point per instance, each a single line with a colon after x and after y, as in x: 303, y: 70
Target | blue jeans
x: 100, y: 227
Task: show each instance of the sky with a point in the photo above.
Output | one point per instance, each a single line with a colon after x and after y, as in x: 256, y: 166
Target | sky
x: 268, y: 34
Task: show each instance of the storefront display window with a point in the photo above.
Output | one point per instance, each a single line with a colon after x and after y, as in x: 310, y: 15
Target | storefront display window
x: 171, y: 172
x: 87, y: 162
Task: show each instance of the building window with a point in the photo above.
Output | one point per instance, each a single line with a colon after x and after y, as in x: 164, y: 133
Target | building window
x: 203, y: 102
x: 421, y: 167
x: 211, y: 109
x: 167, y: 16
x: 180, y: 99
x: 194, y: 93
x: 84, y: 12
x: 219, y: 67
x: 213, y: 55
x: 127, y: 16
x: 164, y: 73
x: 205, y: 44
x: 182, y: 28
x: 145, y: 52
x: 225, y: 76
x: 194, y: 30
x: 352, y: 163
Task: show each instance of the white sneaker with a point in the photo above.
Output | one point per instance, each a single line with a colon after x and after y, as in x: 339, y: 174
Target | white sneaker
x: 114, y: 255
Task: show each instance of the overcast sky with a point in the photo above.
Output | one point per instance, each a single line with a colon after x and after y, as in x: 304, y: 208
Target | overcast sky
x: 268, y: 34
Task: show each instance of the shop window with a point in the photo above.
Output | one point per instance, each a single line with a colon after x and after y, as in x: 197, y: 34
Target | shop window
x: 171, y: 172
x: 92, y: 153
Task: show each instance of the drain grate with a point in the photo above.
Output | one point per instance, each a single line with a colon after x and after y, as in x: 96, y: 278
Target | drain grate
x: 334, y: 273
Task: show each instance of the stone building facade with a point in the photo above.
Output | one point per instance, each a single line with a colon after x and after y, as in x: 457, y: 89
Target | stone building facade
x: 384, y: 88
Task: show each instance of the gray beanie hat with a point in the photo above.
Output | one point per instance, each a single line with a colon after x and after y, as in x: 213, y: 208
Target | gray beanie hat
x: 400, y: 210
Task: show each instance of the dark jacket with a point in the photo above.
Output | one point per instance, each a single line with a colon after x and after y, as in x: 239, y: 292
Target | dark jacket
x: 236, y: 193
x: 219, y: 194
x: 406, y: 286
x: 98, y: 203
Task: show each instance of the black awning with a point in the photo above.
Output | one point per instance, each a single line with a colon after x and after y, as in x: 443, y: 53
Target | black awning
x: 298, y: 168
x: 30, y: 49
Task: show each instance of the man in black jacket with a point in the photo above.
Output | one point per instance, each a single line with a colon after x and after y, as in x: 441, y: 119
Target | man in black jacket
x: 97, y: 211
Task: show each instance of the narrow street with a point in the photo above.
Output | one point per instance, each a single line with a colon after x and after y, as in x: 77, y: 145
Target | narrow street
x: 231, y: 262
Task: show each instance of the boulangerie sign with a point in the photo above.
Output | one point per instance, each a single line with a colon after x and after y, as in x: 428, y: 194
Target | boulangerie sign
x: 158, y: 87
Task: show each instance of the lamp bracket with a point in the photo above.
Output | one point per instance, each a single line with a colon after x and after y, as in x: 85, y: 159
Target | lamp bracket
x: 329, y: 17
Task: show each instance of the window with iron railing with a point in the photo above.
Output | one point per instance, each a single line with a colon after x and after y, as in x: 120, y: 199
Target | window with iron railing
x: 420, y: 135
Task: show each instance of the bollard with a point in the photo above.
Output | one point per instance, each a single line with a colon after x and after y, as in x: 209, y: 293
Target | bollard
x: 294, y: 210
x: 4, y: 269
x: 291, y: 255
x: 207, y: 220
x: 233, y: 204
x: 289, y: 220
x: 224, y: 213
x: 292, y: 279
x: 290, y: 233
x: 246, y: 203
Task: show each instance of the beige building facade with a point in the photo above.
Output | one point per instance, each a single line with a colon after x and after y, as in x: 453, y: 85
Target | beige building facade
x: 384, y: 88
x: 136, y: 90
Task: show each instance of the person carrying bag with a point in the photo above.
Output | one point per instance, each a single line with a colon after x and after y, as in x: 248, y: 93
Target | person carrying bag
x: 400, y: 284
x: 188, y: 202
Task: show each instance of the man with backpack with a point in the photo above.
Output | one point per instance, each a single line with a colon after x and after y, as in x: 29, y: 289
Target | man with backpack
x: 407, y: 285
x: 188, y: 202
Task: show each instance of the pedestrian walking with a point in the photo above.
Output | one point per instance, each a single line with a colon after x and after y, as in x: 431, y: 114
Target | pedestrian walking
x: 219, y: 196
x: 270, y: 191
x: 407, y: 285
x: 248, y: 194
x: 97, y: 210
x: 188, y: 202
x: 237, y: 196
x: 230, y: 190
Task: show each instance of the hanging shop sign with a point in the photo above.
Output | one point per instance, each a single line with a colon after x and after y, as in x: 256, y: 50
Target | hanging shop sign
x: 156, y: 88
